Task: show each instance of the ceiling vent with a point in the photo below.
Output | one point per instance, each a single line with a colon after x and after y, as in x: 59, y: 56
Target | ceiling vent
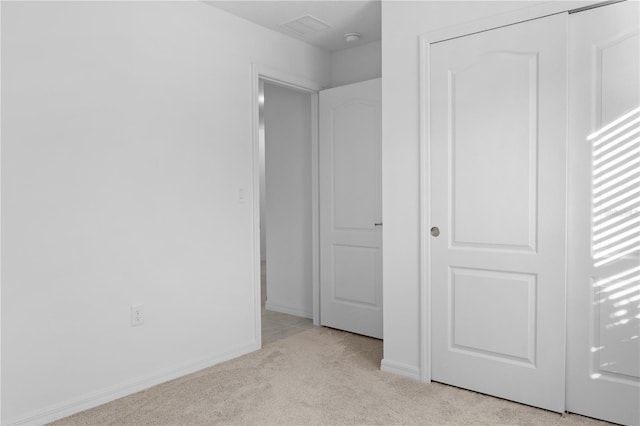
x: 305, y: 25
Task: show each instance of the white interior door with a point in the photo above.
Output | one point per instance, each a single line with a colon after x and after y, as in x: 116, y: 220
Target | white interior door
x: 603, y: 334
x: 497, y: 194
x: 351, y: 208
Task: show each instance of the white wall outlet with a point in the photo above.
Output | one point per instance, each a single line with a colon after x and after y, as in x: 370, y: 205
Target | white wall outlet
x: 137, y: 315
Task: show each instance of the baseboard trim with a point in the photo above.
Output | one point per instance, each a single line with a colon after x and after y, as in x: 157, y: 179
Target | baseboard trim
x: 400, y: 369
x: 287, y: 310
x: 102, y: 396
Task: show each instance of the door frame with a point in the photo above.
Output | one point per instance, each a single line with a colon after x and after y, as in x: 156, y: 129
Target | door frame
x: 280, y: 78
x: 527, y: 13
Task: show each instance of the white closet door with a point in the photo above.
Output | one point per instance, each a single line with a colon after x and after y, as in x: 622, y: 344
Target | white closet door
x: 351, y: 208
x: 603, y: 367
x: 497, y: 171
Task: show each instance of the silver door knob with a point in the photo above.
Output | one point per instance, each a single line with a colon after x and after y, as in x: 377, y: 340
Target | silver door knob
x: 435, y: 231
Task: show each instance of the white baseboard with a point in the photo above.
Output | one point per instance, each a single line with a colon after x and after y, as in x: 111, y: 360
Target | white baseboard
x: 102, y: 396
x: 288, y: 310
x: 400, y: 369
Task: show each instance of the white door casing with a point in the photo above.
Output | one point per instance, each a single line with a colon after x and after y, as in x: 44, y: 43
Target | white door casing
x: 603, y: 318
x: 497, y: 192
x: 351, y: 208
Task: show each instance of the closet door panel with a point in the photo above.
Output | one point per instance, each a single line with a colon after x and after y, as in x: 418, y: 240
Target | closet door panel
x: 603, y: 334
x: 497, y: 169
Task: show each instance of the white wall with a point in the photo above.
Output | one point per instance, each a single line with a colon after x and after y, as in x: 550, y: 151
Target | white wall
x: 288, y: 206
x: 356, y: 64
x: 126, y: 135
x: 402, y: 24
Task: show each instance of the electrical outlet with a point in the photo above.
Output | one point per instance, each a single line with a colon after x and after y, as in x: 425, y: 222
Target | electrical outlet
x: 137, y: 315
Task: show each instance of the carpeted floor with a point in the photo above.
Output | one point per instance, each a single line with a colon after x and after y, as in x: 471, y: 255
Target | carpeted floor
x: 319, y: 376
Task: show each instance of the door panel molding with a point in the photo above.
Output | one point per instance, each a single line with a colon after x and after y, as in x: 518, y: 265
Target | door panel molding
x: 474, y: 335
x: 518, y: 84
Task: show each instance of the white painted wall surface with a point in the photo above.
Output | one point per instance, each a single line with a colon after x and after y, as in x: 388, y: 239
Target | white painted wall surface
x: 356, y: 64
x: 126, y: 136
x: 402, y: 24
x: 288, y: 204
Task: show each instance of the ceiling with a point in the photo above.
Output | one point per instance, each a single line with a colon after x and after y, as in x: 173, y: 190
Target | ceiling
x: 323, y: 24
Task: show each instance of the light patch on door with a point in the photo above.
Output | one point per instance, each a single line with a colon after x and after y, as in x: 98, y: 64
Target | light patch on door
x: 616, y: 189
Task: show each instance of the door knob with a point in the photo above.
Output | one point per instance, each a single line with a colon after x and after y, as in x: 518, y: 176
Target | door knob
x: 435, y: 231
x: 378, y: 224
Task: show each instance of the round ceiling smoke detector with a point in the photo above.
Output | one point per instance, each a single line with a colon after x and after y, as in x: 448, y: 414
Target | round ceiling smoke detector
x: 352, y: 37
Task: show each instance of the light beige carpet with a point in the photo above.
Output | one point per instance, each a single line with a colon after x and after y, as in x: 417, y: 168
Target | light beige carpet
x: 320, y: 376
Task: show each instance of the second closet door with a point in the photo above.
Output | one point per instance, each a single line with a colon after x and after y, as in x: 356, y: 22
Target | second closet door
x: 603, y: 330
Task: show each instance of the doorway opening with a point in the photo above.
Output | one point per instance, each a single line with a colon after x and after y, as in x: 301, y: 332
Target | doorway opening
x: 285, y: 138
x: 285, y: 204
x: 289, y: 165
